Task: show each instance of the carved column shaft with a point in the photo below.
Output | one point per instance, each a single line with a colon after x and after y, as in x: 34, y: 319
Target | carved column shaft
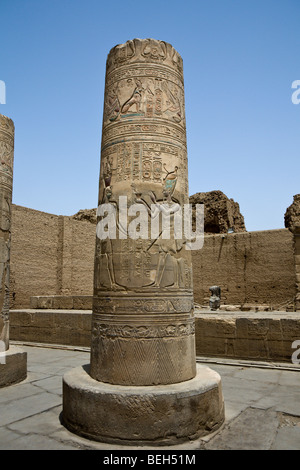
x: 142, y: 322
x: 143, y: 325
x: 6, y: 180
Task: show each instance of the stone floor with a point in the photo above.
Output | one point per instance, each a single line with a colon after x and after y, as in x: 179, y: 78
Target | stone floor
x: 262, y: 403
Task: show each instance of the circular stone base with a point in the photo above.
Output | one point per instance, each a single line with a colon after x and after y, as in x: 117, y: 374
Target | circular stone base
x: 141, y: 415
x: 13, y: 366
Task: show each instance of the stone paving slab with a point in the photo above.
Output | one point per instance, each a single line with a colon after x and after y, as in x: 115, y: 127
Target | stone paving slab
x: 262, y: 407
x: 253, y: 429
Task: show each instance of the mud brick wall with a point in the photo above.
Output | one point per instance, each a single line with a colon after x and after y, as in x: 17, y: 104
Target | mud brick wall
x: 50, y: 255
x: 54, y: 255
x: 34, y: 250
x: 250, y: 267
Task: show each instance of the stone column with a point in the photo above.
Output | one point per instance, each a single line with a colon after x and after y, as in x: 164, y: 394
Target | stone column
x: 13, y: 361
x: 143, y: 297
x: 143, y: 342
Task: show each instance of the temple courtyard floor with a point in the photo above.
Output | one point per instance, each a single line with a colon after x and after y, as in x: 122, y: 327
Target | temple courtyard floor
x: 262, y: 406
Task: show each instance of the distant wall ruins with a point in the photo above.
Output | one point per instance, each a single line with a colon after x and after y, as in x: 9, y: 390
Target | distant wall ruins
x: 54, y: 255
x: 50, y: 255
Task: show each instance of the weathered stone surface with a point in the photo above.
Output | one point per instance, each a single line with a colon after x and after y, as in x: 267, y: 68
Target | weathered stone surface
x: 224, y: 334
x: 292, y: 222
x: 252, y: 268
x: 160, y: 415
x: 65, y: 327
x: 86, y: 214
x: 292, y: 214
x: 142, y: 385
x: 263, y: 336
x: 143, y: 327
x: 77, y: 302
x: 7, y: 132
x: 253, y: 429
x: 13, y: 362
x: 220, y: 212
x: 13, y: 366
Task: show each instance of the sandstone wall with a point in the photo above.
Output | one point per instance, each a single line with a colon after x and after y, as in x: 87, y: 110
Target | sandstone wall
x: 250, y: 267
x: 50, y: 255
x: 54, y: 255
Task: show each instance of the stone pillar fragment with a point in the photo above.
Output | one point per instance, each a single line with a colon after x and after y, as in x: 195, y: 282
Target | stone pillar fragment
x: 13, y: 362
x: 292, y: 222
x: 143, y: 363
x: 6, y: 180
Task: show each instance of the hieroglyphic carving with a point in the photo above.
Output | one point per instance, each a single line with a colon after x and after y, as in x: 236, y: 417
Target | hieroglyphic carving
x: 143, y: 157
x: 142, y: 305
x: 147, y: 50
x: 166, y: 330
x: 6, y: 173
x: 143, y: 161
x: 130, y: 129
x: 144, y: 97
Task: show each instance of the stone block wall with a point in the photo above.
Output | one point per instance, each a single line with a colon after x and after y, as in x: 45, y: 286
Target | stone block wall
x: 250, y: 267
x: 266, y: 336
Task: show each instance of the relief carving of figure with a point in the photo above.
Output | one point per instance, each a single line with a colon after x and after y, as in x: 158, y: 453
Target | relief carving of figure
x: 112, y: 105
x: 135, y: 99
x: 173, y: 103
x: 166, y: 242
x: 106, y: 245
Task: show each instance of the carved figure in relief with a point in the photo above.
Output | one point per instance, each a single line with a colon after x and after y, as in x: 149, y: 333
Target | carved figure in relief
x: 170, y: 178
x: 147, y: 97
x: 112, y: 105
x: 173, y: 103
x: 6, y: 156
x: 107, y: 171
x: 4, y: 289
x: 106, y: 245
x: 135, y: 98
x: 5, y: 219
x: 167, y: 243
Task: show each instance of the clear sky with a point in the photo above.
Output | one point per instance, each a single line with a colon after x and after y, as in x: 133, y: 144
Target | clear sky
x: 240, y: 59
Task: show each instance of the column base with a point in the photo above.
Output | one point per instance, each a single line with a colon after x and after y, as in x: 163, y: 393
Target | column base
x: 142, y: 415
x: 13, y: 366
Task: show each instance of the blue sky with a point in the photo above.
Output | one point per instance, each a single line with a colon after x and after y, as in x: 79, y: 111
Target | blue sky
x: 240, y: 58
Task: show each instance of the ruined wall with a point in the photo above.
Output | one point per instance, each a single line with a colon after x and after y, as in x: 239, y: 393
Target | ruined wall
x: 50, y: 255
x: 220, y: 212
x: 54, y: 255
x: 34, y: 247
x: 250, y: 267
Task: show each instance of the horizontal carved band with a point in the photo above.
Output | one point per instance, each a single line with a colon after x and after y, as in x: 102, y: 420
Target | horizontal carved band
x: 142, y: 305
x: 114, y: 131
x: 141, y: 331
